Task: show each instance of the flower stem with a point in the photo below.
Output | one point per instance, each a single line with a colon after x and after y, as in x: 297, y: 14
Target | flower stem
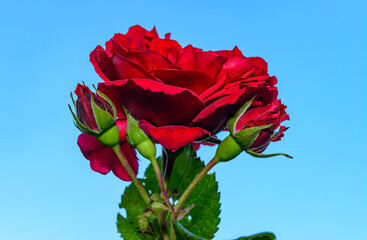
x: 193, y: 184
x: 161, y: 185
x: 172, y: 233
x: 163, y: 225
x: 131, y: 173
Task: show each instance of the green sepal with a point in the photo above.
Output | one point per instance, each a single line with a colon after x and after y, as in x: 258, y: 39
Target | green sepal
x: 107, y: 100
x: 246, y: 137
x: 212, y: 140
x: 82, y: 127
x: 232, y: 122
x: 72, y: 98
x: 103, y: 118
x: 228, y: 149
x: 260, y: 155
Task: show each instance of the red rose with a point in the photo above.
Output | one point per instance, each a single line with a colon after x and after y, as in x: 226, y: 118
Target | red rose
x: 179, y: 95
x: 103, y: 159
x: 92, y: 121
x: 274, y: 113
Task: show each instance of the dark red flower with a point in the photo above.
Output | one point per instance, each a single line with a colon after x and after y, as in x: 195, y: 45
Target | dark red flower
x: 179, y: 94
x: 274, y: 114
x: 103, y: 159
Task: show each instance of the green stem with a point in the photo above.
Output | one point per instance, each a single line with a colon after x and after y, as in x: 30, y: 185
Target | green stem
x: 161, y: 185
x: 172, y: 233
x: 131, y: 173
x: 163, y: 225
x: 193, y: 184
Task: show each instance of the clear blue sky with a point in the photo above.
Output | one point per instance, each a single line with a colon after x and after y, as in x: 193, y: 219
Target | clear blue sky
x: 317, y: 50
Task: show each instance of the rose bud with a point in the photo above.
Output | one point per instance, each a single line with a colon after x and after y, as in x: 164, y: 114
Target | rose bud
x: 252, y: 129
x: 138, y: 139
x: 95, y: 115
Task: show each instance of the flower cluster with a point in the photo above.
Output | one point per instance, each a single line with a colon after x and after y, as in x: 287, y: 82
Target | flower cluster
x: 180, y: 95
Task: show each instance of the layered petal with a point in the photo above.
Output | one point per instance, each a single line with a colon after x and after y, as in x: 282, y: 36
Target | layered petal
x: 148, y: 60
x: 173, y: 137
x: 155, y: 102
x: 209, y: 63
x: 214, y: 117
x: 195, y: 81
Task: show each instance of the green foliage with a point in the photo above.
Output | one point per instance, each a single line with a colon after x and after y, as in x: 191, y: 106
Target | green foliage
x: 134, y: 205
x: 203, y: 219
x: 259, y: 236
x: 199, y: 223
x: 128, y: 229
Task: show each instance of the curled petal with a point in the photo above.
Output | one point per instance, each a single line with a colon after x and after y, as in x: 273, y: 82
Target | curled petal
x: 215, y: 116
x: 258, y: 61
x: 103, y: 64
x: 173, y: 137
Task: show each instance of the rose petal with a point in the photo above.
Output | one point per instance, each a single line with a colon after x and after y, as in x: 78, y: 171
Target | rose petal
x: 103, y: 159
x: 162, y: 45
x: 209, y: 63
x: 215, y: 116
x: 193, y: 80
x: 100, y: 157
x: 149, y: 60
x: 121, y: 124
x: 197, y: 145
x: 119, y: 43
x: 279, y: 134
x: 269, y: 114
x: 125, y: 68
x: 258, y: 61
x: 228, y: 90
x: 236, y: 66
x: 173, y: 137
x: 140, y: 32
x: 233, y: 52
x: 103, y: 64
x: 158, y: 103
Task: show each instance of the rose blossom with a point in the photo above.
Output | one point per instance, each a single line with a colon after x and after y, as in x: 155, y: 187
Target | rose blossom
x: 179, y: 95
x: 274, y: 114
x: 102, y: 159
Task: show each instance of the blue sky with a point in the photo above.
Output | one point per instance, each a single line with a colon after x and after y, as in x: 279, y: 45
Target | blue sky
x: 317, y: 50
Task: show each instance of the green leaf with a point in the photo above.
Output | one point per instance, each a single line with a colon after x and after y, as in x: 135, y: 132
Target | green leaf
x: 134, y: 205
x: 203, y: 219
x: 128, y: 229
x: 183, y: 233
x: 259, y: 236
